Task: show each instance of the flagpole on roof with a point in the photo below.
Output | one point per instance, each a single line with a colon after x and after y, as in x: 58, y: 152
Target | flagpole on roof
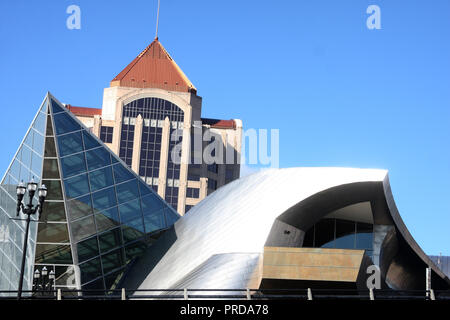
x: 157, y: 21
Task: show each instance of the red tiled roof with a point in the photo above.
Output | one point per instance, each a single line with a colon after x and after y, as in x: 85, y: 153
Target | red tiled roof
x: 220, y: 124
x: 86, y: 112
x: 154, y: 68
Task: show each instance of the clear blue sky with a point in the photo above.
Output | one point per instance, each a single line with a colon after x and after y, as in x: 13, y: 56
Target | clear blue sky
x: 341, y: 95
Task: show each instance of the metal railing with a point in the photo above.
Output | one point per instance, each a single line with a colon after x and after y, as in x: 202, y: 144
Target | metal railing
x: 229, y: 294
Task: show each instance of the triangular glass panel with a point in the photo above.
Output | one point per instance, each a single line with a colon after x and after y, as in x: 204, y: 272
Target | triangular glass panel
x: 38, y: 143
x: 25, y: 175
x: 44, y: 106
x: 29, y: 139
x: 36, y: 164
x: 153, y: 210
x: 53, y: 254
x: 53, y: 233
x: 64, y: 123
x: 56, y: 107
x: 171, y: 217
x: 51, y: 169
x: 70, y: 143
x: 143, y: 188
x: 127, y: 191
x: 100, y: 178
x: 80, y: 207
x: 53, y: 211
x: 50, y: 148
x: 49, y: 130
x: 104, y: 199
x: 89, y: 141
x: 40, y: 119
x: 122, y: 173
x: 97, y: 158
x: 15, y: 169
x: 76, y: 186
x: 73, y: 165
x: 25, y: 156
x: 39, y: 123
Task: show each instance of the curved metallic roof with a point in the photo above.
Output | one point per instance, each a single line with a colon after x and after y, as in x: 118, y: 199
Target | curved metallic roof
x: 238, y: 219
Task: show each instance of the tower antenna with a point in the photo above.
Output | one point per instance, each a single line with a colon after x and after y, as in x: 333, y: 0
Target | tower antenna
x: 157, y: 21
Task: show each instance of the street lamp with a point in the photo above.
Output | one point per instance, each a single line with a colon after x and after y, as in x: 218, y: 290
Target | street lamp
x: 36, y: 276
x: 44, y: 273
x: 51, y: 279
x: 29, y: 210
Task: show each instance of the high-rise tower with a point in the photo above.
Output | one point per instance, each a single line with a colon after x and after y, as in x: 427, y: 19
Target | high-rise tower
x: 151, y: 113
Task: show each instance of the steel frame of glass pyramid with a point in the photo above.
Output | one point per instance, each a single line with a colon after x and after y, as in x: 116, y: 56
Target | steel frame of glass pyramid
x: 98, y: 215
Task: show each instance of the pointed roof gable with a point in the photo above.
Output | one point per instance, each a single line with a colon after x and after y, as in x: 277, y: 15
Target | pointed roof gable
x: 154, y: 68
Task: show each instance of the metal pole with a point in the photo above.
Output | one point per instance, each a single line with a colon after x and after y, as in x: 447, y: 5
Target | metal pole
x: 432, y: 296
x: 372, y: 296
x: 124, y: 296
x: 428, y: 281
x: 157, y: 21
x: 310, y: 296
x: 24, y: 254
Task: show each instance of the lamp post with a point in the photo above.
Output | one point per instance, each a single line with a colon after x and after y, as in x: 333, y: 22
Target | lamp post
x: 29, y: 210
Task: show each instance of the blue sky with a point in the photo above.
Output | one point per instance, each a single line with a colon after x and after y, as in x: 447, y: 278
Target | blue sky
x: 340, y: 94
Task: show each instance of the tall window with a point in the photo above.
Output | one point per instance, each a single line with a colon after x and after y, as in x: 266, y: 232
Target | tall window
x: 106, y: 134
x: 150, y: 153
x: 127, y: 139
x: 153, y: 111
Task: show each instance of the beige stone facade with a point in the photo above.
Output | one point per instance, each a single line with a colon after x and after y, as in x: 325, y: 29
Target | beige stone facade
x: 196, y: 181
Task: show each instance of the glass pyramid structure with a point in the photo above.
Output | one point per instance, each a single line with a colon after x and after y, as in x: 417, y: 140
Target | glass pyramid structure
x: 98, y: 215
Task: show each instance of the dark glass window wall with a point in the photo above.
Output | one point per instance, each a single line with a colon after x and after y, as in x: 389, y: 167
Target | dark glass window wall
x: 342, y: 234
x: 153, y: 111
